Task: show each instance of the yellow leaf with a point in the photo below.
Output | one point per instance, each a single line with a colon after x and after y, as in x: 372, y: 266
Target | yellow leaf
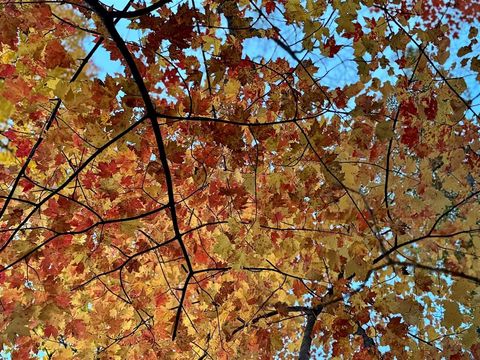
x: 356, y: 267
x: 5, y: 109
x: 452, y: 316
x: 231, y: 88
x: 223, y: 246
x: 295, y: 11
x: 410, y: 309
x: 384, y: 131
x: 18, y: 326
x: 452, y: 184
x: 475, y: 65
x: 239, y: 261
x: 469, y: 337
x: 464, y: 50
x: 461, y: 289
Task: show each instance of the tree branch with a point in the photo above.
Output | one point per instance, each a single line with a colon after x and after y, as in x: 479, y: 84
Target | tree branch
x: 151, y: 113
x: 304, y: 353
x: 140, y: 12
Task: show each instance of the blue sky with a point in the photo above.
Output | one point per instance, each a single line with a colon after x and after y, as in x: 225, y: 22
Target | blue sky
x: 262, y: 48
x: 335, y: 72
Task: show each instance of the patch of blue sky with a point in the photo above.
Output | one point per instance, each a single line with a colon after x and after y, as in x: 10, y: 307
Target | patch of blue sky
x: 472, y: 91
x: 334, y: 72
x: 5, y: 353
x: 255, y: 48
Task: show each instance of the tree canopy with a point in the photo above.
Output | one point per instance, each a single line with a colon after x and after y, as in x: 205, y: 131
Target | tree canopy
x: 240, y: 179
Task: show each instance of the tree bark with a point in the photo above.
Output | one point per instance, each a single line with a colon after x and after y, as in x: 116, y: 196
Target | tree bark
x: 307, y: 335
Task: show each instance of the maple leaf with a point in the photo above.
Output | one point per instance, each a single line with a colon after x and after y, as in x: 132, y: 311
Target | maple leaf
x: 270, y: 7
x: 383, y: 130
x: 55, y: 55
x: 332, y: 47
x: 17, y: 327
x: 409, y: 108
x: 431, y: 108
x: 76, y: 328
x: 397, y: 327
x: 356, y: 34
x: 236, y: 184
x: 410, y: 136
x: 6, y: 70
x: 26, y: 184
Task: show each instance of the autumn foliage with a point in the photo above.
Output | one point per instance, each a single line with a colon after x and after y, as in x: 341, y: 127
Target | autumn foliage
x: 249, y: 179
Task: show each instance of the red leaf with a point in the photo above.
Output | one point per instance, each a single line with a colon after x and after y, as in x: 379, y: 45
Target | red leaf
x: 26, y: 184
x: 431, y: 108
x: 79, y: 268
x: 63, y: 241
x: 50, y: 330
x: 107, y: 169
x: 332, y: 46
x: 3, y: 276
x: 81, y: 222
x: 401, y: 62
x: 6, y: 70
x: 338, y: 348
x: 55, y: 55
x: 178, y: 29
x: 76, y: 328
x: 356, y: 35
x: 10, y: 135
x: 133, y: 266
x: 410, y: 136
x: 364, y: 354
x: 23, y: 147
x: 475, y: 349
x: 201, y: 256
x: 89, y: 179
x: 77, y: 141
x: 408, y: 108
x: 397, y: 327
x: 342, y: 328
x: 363, y: 316
x: 160, y: 299
x: 63, y: 300
x: 270, y: 7
x: 340, y: 100
x: 298, y: 288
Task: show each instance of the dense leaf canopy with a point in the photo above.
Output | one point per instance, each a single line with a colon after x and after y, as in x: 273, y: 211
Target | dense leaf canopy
x: 226, y: 179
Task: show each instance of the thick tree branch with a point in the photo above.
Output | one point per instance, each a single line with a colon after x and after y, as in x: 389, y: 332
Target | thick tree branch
x: 139, y: 12
x: 304, y: 353
x: 107, y: 20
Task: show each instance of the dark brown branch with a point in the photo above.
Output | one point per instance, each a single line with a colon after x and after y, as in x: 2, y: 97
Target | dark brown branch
x: 71, y: 178
x: 268, y: 315
x: 151, y: 113
x: 432, y: 229
x: 430, y: 61
x: 46, y: 127
x: 139, y: 12
x: 453, y: 273
x: 233, y: 122
x: 77, y: 232
x: 346, y: 189
x: 304, y: 353
x: 390, y: 146
x: 142, y: 252
x: 29, y: 158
